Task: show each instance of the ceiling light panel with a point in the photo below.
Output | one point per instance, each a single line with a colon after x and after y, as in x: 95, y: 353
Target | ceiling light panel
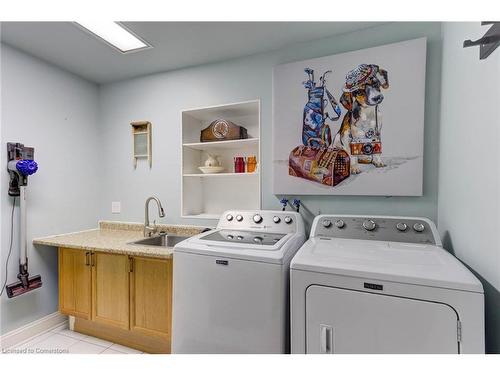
x: 114, y: 34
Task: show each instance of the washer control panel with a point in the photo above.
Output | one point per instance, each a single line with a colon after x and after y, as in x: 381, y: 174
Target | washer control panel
x: 271, y: 221
x: 402, y: 229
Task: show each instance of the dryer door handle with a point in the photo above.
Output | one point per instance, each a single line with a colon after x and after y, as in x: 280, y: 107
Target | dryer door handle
x: 326, y: 339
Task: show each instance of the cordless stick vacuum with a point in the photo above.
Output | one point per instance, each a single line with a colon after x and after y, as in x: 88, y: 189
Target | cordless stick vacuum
x: 20, y: 166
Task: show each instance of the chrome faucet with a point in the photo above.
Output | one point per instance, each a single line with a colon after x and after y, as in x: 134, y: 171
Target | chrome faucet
x: 148, y: 229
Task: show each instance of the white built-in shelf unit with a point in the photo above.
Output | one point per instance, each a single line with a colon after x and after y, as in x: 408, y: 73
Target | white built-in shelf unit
x: 207, y: 196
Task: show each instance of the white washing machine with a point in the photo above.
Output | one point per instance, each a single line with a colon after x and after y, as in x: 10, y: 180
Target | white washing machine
x: 231, y: 284
x: 382, y: 285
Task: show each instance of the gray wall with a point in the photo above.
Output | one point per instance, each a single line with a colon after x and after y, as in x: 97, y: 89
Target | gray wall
x: 469, y: 173
x: 159, y: 98
x: 55, y: 112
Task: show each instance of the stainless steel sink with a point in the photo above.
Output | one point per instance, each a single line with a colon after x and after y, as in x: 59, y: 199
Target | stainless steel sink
x: 164, y: 240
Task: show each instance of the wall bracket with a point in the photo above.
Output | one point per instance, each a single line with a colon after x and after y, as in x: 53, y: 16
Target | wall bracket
x: 489, y: 42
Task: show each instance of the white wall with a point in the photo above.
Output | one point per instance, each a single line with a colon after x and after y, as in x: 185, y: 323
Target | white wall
x: 55, y: 112
x: 159, y: 98
x: 469, y: 172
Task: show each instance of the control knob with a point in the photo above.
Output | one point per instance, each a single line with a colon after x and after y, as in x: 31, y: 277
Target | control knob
x: 288, y: 219
x: 340, y: 223
x: 240, y: 237
x: 401, y: 227
x: 257, y: 218
x: 276, y: 219
x: 418, y: 227
x: 229, y: 217
x: 369, y: 225
x: 230, y: 237
x: 239, y: 217
x: 327, y: 223
x: 258, y: 239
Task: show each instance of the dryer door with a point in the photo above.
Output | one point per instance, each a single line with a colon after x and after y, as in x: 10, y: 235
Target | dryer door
x: 349, y: 321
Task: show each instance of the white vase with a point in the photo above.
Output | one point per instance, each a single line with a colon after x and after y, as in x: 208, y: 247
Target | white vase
x: 212, y: 161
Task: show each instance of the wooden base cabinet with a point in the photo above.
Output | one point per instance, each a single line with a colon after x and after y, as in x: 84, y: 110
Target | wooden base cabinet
x: 75, y: 293
x: 151, y: 296
x: 110, y: 289
x: 119, y: 298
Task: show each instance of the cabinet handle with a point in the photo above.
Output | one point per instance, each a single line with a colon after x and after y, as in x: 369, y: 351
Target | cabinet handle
x: 87, y: 261
x: 326, y: 339
x: 131, y: 264
x: 92, y: 259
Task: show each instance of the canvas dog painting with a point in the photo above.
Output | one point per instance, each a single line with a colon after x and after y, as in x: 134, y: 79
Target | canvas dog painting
x: 359, y: 135
x: 325, y: 147
x: 360, y: 132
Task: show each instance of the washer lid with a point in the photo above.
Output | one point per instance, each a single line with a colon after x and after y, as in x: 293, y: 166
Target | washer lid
x: 210, y: 243
x: 408, y: 263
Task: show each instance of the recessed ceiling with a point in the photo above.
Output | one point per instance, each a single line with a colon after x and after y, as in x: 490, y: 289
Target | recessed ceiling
x: 175, y: 44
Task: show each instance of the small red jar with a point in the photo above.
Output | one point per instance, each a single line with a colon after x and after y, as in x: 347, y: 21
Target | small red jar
x: 239, y: 164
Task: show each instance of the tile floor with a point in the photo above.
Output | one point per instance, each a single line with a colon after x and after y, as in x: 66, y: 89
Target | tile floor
x: 61, y: 340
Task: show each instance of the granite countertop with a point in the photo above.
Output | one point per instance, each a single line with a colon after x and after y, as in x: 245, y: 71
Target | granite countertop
x: 114, y: 237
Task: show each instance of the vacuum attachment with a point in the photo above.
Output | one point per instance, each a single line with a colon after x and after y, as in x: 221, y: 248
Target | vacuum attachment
x: 25, y: 283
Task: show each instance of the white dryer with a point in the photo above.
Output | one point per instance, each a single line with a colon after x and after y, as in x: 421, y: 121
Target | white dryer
x: 231, y: 284
x: 382, y: 285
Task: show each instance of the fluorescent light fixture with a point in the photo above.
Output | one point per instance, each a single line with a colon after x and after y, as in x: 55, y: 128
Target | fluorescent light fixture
x: 114, y: 34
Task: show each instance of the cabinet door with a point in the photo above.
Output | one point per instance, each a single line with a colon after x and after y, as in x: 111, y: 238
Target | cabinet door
x: 110, y: 289
x: 74, y: 282
x: 151, y: 296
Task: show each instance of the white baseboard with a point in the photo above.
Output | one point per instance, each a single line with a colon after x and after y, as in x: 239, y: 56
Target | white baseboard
x: 29, y: 330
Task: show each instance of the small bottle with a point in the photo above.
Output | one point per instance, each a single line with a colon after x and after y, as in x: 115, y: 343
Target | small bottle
x: 251, y: 164
x: 239, y: 164
x: 242, y: 164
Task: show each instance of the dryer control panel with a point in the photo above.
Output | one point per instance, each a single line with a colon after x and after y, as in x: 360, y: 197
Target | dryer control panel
x: 376, y: 228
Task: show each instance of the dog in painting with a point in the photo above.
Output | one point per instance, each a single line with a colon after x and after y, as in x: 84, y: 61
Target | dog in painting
x: 360, y: 132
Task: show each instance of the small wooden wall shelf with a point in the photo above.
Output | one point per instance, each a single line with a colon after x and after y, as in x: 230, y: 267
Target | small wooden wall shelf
x: 141, y: 141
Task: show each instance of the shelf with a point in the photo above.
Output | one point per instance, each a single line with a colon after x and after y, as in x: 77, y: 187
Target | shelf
x: 207, y: 196
x: 239, y: 109
x: 230, y: 174
x: 237, y: 143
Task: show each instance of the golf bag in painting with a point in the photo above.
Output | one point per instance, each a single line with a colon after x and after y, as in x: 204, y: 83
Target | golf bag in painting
x: 316, y: 159
x: 315, y: 132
